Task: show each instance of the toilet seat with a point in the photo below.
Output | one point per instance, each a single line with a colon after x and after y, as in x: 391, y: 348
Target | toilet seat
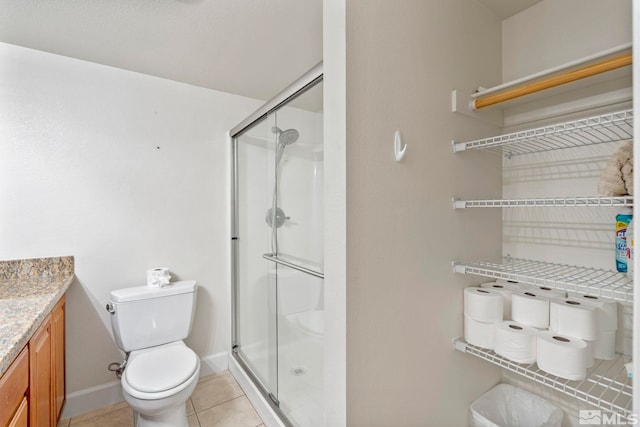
x: 160, y: 371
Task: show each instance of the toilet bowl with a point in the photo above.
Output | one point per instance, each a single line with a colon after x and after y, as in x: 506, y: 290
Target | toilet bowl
x: 161, y: 372
x: 157, y: 383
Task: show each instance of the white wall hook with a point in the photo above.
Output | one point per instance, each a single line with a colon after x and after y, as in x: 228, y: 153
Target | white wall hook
x: 397, y: 143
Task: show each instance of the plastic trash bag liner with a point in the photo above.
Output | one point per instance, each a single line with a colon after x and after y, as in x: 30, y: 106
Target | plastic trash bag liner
x: 508, y: 406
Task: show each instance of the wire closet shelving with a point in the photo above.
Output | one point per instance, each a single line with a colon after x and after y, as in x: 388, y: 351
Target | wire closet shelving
x: 562, y: 202
x: 610, y: 127
x: 606, y: 386
x: 570, y: 278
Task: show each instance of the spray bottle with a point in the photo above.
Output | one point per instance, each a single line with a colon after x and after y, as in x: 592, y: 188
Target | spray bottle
x: 622, y: 222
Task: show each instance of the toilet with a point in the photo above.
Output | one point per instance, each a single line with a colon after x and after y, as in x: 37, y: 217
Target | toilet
x: 161, y: 372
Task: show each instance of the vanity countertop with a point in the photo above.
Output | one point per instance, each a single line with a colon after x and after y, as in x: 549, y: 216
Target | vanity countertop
x: 29, y: 289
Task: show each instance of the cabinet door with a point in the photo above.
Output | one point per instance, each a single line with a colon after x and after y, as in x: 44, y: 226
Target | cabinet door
x: 21, y: 418
x: 13, y: 387
x: 58, y: 359
x: 40, y: 376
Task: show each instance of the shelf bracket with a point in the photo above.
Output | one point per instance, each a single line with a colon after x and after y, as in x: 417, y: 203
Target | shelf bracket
x: 458, y: 146
x: 459, y: 344
x: 459, y: 204
x: 459, y: 268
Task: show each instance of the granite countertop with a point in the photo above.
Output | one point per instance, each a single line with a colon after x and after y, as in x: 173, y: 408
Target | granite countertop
x: 29, y: 289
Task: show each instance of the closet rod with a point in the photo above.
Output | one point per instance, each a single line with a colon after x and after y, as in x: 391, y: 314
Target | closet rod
x: 553, y: 81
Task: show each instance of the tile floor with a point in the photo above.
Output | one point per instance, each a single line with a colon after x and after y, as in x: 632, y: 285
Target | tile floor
x: 218, y: 401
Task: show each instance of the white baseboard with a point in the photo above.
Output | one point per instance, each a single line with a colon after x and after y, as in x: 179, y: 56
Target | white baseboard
x: 214, y: 363
x: 92, y: 398
x: 98, y: 397
x: 256, y: 398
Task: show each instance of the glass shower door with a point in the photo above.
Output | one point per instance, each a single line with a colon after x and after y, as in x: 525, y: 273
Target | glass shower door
x: 256, y: 329
x: 278, y: 255
x: 300, y: 258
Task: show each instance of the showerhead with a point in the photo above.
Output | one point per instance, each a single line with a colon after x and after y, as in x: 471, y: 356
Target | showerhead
x: 286, y: 137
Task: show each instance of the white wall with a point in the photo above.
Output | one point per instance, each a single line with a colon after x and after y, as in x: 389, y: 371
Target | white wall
x: 555, y: 32
x: 125, y: 172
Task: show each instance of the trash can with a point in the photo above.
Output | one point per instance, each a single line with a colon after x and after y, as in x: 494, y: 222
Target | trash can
x: 508, y: 406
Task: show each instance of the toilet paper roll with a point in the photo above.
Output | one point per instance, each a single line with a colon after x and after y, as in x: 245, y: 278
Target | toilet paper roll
x: 575, y: 318
x: 158, y: 277
x: 504, y: 289
x: 561, y: 355
x: 546, y: 292
x: 607, y: 310
x: 483, y: 305
x: 509, y: 282
x: 604, y: 347
x: 589, y: 359
x: 516, y: 342
x: 479, y: 333
x: 530, y: 309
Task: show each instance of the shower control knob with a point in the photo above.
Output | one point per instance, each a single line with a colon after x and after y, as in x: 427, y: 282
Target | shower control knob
x: 280, y: 217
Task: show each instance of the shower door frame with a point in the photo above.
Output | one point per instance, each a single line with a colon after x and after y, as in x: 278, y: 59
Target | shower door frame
x: 309, y: 79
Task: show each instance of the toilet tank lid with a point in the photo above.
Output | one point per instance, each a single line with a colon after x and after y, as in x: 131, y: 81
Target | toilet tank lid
x: 146, y: 292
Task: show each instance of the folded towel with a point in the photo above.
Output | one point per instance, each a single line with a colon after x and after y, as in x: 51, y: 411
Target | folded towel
x: 617, y: 177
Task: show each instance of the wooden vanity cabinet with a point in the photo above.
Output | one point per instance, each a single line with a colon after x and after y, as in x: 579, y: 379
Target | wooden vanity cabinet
x: 57, y: 359
x: 47, y: 370
x: 40, y: 362
x: 21, y: 418
x: 32, y: 390
x: 14, y: 385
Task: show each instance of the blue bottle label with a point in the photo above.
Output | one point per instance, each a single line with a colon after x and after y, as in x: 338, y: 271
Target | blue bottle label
x: 622, y: 222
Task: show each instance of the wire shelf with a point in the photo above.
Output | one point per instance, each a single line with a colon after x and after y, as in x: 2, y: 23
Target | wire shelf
x: 606, y: 387
x: 583, y: 280
x: 610, y: 127
x: 562, y: 202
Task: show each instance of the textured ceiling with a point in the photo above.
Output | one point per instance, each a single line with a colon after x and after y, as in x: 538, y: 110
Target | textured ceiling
x: 247, y: 47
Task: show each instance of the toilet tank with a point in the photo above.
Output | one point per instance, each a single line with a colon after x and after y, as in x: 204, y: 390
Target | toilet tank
x: 143, y: 317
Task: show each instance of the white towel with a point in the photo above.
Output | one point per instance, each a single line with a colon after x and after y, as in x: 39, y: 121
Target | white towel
x: 617, y: 177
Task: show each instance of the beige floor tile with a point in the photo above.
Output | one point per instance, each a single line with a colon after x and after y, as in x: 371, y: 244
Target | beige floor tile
x: 189, y: 405
x: 193, y: 421
x: 215, y: 391
x: 122, y: 417
x: 98, y: 412
x: 208, y: 377
x: 64, y: 422
x: 235, y: 413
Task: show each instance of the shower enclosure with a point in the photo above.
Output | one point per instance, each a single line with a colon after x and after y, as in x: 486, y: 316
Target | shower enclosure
x: 277, y: 250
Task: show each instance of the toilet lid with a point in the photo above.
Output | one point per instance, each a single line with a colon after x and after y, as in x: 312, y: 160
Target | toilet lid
x: 162, y: 369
